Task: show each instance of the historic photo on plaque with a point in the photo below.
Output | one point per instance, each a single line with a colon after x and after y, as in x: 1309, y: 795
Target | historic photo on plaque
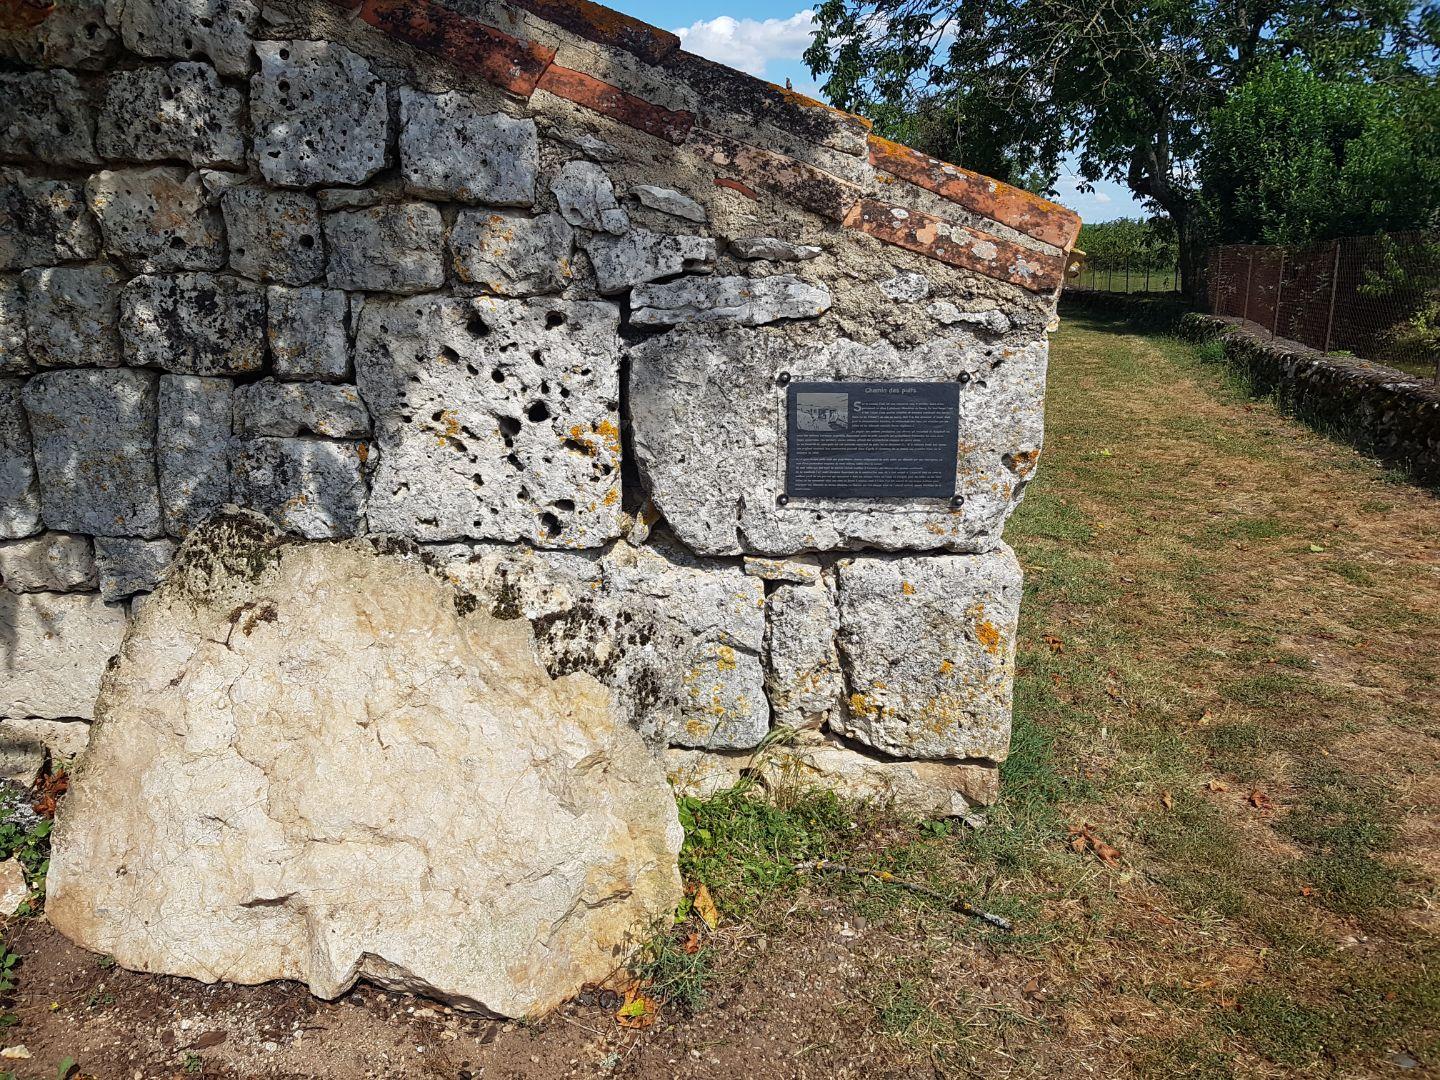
x: 866, y: 440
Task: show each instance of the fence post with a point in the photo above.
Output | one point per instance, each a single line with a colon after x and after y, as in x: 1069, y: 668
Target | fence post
x: 1127, y: 275
x: 1334, y: 283
x: 1279, y: 289
x: 1147, y: 279
x: 1249, y: 271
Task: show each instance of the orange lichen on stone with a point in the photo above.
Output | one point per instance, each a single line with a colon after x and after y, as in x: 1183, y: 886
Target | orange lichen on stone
x: 907, y: 588
x: 988, y: 634
x: 794, y: 97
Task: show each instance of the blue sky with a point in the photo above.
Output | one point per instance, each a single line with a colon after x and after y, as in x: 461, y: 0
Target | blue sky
x: 767, y: 38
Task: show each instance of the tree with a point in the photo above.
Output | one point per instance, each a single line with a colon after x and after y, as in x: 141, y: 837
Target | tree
x: 1125, y: 86
x: 1132, y: 242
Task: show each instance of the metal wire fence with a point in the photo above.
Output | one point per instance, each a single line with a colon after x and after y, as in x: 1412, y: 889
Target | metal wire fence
x: 1375, y: 297
x: 1127, y: 278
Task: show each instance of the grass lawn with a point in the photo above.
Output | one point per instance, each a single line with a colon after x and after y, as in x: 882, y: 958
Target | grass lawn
x: 1229, y: 671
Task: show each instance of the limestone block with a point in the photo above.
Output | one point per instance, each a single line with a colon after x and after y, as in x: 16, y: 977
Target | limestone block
x: 183, y: 111
x: 706, y: 411
x: 319, y: 114
x: 947, y: 314
x: 128, y: 566
x: 639, y: 255
x: 14, y: 354
x: 742, y: 300
x: 907, y: 288
x: 928, y: 645
x: 309, y: 486
x: 72, y: 316
x: 19, y: 491
x: 217, y: 29
x: 300, y: 408
x: 390, y: 790
x: 307, y: 333
x: 73, y: 34
x: 495, y: 418
x: 21, y: 760
x: 43, y: 222
x: 50, y: 562
x: 94, y: 434
x: 587, y: 198
x: 44, y: 116
x: 56, y: 649
x: 452, y: 148
x: 512, y: 254
x: 801, y: 570
x: 668, y: 201
x: 193, y: 445
x: 772, y: 249
x: 274, y: 235
x: 193, y: 324
x: 63, y: 740
x: 391, y: 248
x: 802, y: 675
x: 157, y: 220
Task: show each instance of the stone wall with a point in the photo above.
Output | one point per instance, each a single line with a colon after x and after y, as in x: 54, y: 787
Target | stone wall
x: 520, y: 283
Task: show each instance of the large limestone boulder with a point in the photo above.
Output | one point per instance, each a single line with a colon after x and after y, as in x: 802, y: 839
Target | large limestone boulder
x: 314, y: 761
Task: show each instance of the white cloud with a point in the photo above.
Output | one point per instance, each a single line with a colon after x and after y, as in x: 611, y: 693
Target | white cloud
x: 1102, y: 198
x: 750, y: 44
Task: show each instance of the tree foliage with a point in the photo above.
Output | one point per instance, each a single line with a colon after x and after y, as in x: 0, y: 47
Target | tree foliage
x: 1129, y: 242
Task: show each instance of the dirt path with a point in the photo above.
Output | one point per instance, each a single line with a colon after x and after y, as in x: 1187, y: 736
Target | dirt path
x: 1229, y: 670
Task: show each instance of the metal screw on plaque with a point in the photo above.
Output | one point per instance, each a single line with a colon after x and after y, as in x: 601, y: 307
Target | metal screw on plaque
x: 783, y: 379
x: 964, y: 377
x: 957, y: 501
x: 782, y: 500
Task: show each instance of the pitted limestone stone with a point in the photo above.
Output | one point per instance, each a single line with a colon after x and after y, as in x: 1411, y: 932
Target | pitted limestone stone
x: 287, y: 409
x: 128, y: 566
x: 512, y: 254
x: 587, y: 198
x: 194, y: 445
x: 586, y: 145
x: 183, y: 111
x: 44, y: 116
x: 391, y: 248
x: 193, y: 324
x: 50, y: 562
x: 947, y: 314
x: 495, y: 419
x: 72, y: 315
x: 742, y: 300
x: 705, y: 410
x: 73, y: 34
x: 799, y: 570
x: 906, y: 288
x: 14, y: 353
x: 218, y: 29
x: 668, y: 201
x: 803, y: 677
x: 58, y: 647
x: 452, y: 148
x: 19, y: 491
x: 319, y: 115
x: 312, y: 487
x: 274, y: 235
x: 94, y: 435
x: 348, y: 198
x: 157, y: 220
x: 928, y: 647
x: 640, y: 255
x: 43, y: 222
x: 307, y: 333
x: 772, y: 249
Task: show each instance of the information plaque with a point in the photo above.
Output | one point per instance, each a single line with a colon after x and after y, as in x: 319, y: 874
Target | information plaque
x: 854, y: 440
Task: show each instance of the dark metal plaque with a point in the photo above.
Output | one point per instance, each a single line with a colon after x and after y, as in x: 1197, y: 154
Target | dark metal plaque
x: 865, y: 440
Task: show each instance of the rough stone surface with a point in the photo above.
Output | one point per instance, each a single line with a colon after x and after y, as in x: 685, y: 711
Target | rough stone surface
x: 381, y: 788
x: 319, y: 115
x: 51, y: 562
x: 53, y: 650
x: 300, y: 408
x: 73, y: 35
x: 494, y: 418
x: 705, y: 410
x: 669, y: 201
x: 194, y: 324
x: 389, y: 248
x: 928, y: 645
x: 452, y: 148
x: 157, y: 220
x: 14, y: 353
x: 94, y: 434
x: 586, y: 198
x: 801, y: 570
x: 217, y: 29
x: 991, y: 319
x: 309, y: 486
x: 641, y: 255
x: 273, y: 235
x: 44, y: 116
x: 803, y: 680
x: 72, y: 315
x: 512, y: 254
x: 307, y: 333
x: 183, y: 111
x: 43, y: 222
x: 128, y: 566
x: 63, y: 740
x: 19, y: 490
x: 14, y: 890
x: 193, y: 445
x: 907, y: 288
x: 773, y: 249
x: 742, y: 300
